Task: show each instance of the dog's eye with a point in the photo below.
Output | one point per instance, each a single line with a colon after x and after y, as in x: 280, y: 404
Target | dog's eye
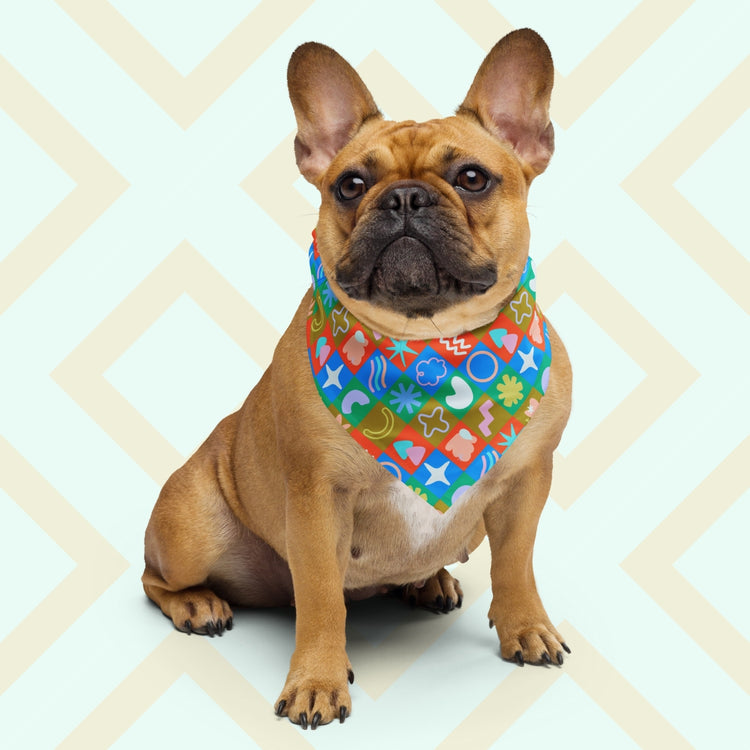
x: 471, y: 179
x: 349, y: 187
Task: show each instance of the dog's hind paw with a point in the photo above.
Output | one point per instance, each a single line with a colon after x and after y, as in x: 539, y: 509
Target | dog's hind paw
x: 200, y: 611
x: 441, y: 593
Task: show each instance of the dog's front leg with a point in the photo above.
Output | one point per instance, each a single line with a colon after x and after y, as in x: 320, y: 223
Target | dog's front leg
x: 318, y: 542
x: 525, y: 631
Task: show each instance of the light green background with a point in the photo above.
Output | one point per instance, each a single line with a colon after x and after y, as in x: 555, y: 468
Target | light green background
x: 185, y: 372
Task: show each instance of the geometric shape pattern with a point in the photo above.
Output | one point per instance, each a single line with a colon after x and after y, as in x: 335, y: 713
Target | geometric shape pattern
x: 175, y: 656
x: 30, y: 182
x: 667, y: 373
x: 722, y: 546
x: 589, y: 671
x: 652, y: 185
x: 21, y: 538
x: 81, y: 374
x: 183, y: 716
x: 566, y: 707
x: 97, y: 565
x: 604, y: 64
x: 698, y: 184
x: 183, y: 98
x: 171, y: 374
x: 649, y: 121
x: 595, y: 358
x: 97, y: 185
x: 652, y: 565
x: 202, y: 26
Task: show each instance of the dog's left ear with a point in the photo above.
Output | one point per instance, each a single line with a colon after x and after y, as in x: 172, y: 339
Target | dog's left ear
x: 330, y: 104
x: 510, y: 96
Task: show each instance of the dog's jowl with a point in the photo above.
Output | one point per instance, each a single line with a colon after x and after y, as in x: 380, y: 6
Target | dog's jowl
x: 412, y: 406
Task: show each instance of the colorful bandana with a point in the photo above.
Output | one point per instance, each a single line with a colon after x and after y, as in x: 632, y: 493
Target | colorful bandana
x: 438, y: 414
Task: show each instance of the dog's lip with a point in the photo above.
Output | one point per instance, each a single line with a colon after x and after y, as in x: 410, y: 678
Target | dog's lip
x: 406, y: 266
x: 359, y: 285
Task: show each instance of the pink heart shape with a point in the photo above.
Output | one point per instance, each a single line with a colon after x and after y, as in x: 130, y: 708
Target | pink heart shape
x: 325, y: 350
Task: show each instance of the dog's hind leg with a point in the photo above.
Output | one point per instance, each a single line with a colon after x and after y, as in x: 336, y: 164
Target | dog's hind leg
x: 190, y: 532
x: 186, y: 536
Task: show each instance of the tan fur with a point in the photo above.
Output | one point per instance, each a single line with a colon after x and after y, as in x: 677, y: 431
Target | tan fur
x: 280, y: 505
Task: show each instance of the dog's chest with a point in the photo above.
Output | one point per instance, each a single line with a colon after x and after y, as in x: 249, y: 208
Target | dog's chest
x: 399, y: 537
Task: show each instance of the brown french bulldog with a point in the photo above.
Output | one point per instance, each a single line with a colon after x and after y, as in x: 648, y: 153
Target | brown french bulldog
x: 422, y: 239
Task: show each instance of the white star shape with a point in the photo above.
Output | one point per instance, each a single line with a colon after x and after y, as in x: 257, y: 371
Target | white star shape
x: 333, y: 376
x: 528, y: 360
x: 437, y: 474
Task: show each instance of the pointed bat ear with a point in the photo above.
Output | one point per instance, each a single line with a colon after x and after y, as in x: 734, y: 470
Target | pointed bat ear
x: 510, y: 96
x: 330, y: 104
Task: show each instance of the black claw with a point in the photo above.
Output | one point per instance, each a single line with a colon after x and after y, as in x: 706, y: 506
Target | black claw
x: 220, y: 628
x: 211, y: 629
x: 518, y: 656
x: 315, y: 720
x: 188, y: 627
x: 342, y: 714
x: 280, y: 708
x: 459, y: 602
x: 567, y: 650
x: 546, y: 659
x: 560, y: 658
x: 303, y: 720
x: 229, y: 624
x: 350, y: 675
x: 439, y: 602
x: 492, y: 624
x: 449, y: 605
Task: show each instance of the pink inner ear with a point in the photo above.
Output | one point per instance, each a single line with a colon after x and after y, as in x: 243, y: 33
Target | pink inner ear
x: 532, y: 139
x: 511, y: 95
x: 330, y: 103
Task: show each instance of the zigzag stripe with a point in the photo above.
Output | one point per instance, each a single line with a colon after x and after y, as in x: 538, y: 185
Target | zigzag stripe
x: 484, y: 410
x: 457, y: 345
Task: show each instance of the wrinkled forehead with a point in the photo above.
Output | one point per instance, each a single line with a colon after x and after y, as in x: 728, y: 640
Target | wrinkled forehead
x: 415, y: 148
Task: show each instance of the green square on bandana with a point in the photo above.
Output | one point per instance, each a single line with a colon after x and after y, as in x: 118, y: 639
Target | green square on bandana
x: 509, y: 389
x: 354, y: 402
x: 405, y: 398
x: 458, y: 394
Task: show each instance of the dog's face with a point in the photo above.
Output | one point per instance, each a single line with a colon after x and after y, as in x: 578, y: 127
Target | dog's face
x: 422, y: 227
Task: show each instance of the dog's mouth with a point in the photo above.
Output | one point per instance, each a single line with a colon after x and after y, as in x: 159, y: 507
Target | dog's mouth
x: 408, y: 277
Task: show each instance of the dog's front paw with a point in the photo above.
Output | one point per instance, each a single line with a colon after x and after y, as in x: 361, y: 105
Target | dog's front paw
x: 316, y: 693
x: 439, y: 593
x: 528, y: 638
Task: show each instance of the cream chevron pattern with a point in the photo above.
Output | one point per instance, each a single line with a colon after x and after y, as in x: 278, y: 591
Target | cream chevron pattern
x: 152, y: 247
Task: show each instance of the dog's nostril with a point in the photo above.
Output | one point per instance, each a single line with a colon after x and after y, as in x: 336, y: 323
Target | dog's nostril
x: 406, y: 198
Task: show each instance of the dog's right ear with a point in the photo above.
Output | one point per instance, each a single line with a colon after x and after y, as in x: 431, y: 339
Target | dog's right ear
x: 330, y: 103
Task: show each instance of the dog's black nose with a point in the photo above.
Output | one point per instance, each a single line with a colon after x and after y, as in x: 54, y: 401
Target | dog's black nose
x: 405, y: 196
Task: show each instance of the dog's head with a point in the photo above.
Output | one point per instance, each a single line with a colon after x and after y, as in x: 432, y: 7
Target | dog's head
x: 422, y: 226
